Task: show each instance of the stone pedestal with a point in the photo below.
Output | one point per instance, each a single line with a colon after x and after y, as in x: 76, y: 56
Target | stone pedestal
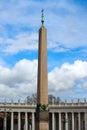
x: 42, y: 119
x: 43, y: 125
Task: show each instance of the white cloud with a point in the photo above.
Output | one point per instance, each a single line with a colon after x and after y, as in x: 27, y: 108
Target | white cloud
x: 68, y: 76
x: 21, y: 80
x: 20, y: 43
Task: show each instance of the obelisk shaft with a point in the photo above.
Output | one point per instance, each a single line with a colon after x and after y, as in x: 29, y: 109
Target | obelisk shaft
x: 42, y: 88
x: 42, y: 114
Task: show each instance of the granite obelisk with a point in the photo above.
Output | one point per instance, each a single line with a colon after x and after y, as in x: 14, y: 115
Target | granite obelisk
x: 42, y: 114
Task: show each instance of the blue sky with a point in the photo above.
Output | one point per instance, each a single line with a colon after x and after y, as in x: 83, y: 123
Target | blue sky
x: 66, y: 23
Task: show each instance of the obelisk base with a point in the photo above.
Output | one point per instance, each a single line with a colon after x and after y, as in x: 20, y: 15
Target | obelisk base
x: 43, y: 125
x: 42, y: 121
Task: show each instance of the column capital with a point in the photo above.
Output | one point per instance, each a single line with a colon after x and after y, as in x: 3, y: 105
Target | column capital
x: 59, y: 112
x: 33, y: 112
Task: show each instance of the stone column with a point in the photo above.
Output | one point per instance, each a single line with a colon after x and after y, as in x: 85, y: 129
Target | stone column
x: 12, y: 121
x: 72, y: 120
x: 53, y: 121
x: 59, y: 121
x: 26, y: 121
x: 5, y: 122
x: 66, y: 121
x: 19, y: 121
x: 79, y: 126
x: 85, y: 121
x: 33, y: 121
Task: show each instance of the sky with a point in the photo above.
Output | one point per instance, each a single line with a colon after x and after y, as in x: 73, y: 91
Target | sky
x: 66, y: 23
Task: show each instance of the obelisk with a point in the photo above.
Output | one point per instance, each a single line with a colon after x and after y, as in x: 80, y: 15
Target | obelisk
x: 42, y: 114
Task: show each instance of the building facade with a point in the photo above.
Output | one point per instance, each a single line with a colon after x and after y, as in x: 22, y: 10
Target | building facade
x: 62, y: 116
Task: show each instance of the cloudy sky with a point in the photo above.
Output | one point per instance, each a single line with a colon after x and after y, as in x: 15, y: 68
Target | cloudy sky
x: 66, y: 23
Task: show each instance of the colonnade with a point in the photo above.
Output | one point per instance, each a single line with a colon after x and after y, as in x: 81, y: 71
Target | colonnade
x: 68, y: 121
x: 26, y: 125
x: 57, y: 121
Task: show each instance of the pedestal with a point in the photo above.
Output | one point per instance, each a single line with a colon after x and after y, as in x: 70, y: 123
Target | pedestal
x: 42, y: 121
